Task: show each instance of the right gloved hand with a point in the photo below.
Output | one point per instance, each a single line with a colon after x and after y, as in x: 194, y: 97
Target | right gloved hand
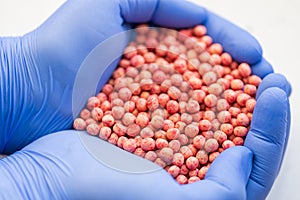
x: 38, y: 70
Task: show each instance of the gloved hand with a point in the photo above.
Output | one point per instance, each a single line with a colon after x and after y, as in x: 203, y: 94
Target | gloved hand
x: 38, y: 70
x: 74, y: 165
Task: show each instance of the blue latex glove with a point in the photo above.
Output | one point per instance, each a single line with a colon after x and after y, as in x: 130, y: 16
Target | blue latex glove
x: 74, y: 165
x: 38, y: 70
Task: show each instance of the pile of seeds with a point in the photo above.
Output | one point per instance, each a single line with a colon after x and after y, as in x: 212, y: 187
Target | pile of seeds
x: 175, y: 99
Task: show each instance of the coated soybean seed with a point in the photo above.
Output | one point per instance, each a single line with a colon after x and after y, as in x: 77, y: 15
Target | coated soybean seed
x: 176, y: 99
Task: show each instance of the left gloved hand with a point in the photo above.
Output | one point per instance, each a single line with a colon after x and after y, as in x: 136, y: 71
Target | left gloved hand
x: 38, y: 70
x: 74, y: 165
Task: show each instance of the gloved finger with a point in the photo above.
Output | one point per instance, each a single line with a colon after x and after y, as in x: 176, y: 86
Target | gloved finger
x: 274, y: 80
x: 166, y: 13
x: 266, y: 139
x: 278, y: 80
x: 227, y: 176
x: 238, y: 42
x: 262, y: 68
x: 181, y: 14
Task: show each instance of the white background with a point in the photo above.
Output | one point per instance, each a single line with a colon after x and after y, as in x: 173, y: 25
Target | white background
x: 274, y: 23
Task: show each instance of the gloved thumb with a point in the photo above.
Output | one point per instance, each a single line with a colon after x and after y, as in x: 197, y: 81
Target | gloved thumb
x: 232, y: 169
x: 228, y: 175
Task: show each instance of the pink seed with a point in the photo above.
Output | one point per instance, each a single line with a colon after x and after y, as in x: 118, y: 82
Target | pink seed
x: 85, y: 114
x: 92, y: 103
x: 226, y: 128
x: 204, y: 125
x: 105, y: 133
x: 90, y: 121
x: 93, y: 129
x: 242, y: 99
x: 148, y: 144
x: 172, y: 106
x: 237, y: 84
x: 137, y: 60
x: 163, y: 99
x: 174, y: 145
x: 209, y: 115
x: 173, y: 133
x: 234, y: 111
x: 191, y: 130
x: 119, y: 129
x: 210, y: 100
x: 242, y: 120
x: 198, y: 141
x: 220, y: 136
x: 226, y: 59
x: 117, y: 112
x: 254, y: 80
x: 151, y: 155
x: 185, y: 151
x: 161, y: 143
x: 113, y: 139
x: 174, y: 171
x: 141, y: 104
x: 178, y: 159
x: 176, y: 80
x: 215, y: 89
x: 202, y: 156
x: 193, y: 179
x: 168, y: 124
x: 240, y: 131
x: 107, y: 89
x: 152, y: 102
x: 157, y: 122
x: 213, y: 156
x: 129, y: 145
x: 166, y: 154
x: 227, y: 144
x: 159, y: 76
x: 183, y: 139
x: 79, y: 124
x: 250, y: 104
x: 135, y: 88
x: 184, y: 170
x: 230, y: 96
x: 199, y: 30
x: 147, y: 133
x: 209, y: 77
x: 125, y: 94
x: 181, y: 179
x: 198, y: 95
x: 174, y: 92
x: 202, y: 172
x: 195, y: 83
x: 224, y: 116
x: 250, y: 89
x: 194, y: 173
x: 192, y: 163
x: 186, y: 118
x: 133, y: 130
x: 211, y: 145
x: 192, y: 106
x: 222, y: 104
x: 129, y: 106
x: 108, y: 120
x: 238, y: 141
x: 244, y: 69
x: 128, y: 118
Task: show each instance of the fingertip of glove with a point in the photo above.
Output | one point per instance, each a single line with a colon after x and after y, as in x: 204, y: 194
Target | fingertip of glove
x: 238, y: 42
x: 262, y: 68
x: 178, y: 14
x: 275, y: 80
